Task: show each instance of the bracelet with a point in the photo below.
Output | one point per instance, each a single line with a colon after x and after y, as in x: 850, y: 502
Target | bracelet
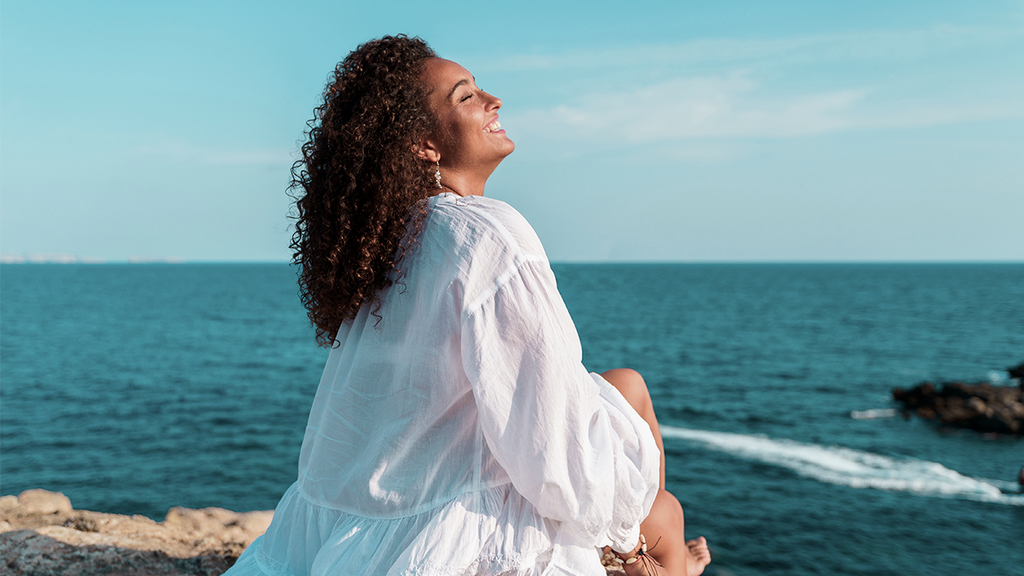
x: 640, y: 553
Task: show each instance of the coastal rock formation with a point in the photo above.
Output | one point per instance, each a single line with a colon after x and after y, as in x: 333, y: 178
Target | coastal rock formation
x: 1017, y: 373
x: 42, y: 535
x: 981, y: 406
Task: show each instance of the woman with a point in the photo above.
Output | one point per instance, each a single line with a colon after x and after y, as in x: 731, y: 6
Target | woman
x: 455, y: 430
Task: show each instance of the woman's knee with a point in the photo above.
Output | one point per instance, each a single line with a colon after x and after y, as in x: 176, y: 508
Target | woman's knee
x: 631, y: 385
x: 668, y: 510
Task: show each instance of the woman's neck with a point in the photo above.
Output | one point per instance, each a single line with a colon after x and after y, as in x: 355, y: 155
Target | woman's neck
x: 463, y: 184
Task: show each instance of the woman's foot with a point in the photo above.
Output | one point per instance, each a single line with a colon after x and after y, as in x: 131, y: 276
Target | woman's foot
x: 699, y: 556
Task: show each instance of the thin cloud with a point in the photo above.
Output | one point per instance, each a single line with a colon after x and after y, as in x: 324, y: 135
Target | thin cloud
x: 735, y: 106
x: 757, y: 91
x: 847, y: 46
x: 176, y: 152
x: 687, y: 108
x: 773, y: 88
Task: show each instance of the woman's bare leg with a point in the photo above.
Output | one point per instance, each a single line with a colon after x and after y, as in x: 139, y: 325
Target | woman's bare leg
x: 633, y: 388
x: 664, y: 527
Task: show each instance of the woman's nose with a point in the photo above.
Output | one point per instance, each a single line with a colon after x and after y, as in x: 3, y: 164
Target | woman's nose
x: 495, y: 102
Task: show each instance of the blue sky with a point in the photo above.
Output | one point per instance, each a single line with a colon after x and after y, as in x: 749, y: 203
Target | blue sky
x: 657, y: 131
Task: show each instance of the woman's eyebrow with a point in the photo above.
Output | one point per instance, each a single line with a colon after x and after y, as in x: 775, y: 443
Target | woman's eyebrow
x: 462, y: 82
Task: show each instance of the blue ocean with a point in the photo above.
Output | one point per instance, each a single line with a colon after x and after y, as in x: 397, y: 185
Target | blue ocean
x: 134, y: 388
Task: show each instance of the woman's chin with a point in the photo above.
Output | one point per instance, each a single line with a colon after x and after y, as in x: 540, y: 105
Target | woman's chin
x: 511, y: 146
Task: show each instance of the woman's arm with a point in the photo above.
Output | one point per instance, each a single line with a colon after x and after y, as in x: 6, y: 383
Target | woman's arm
x: 575, y: 449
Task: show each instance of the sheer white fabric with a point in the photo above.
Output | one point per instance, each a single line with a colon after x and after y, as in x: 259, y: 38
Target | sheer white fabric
x: 460, y: 433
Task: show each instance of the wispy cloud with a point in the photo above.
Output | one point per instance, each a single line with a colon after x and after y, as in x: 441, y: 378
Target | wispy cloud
x: 856, y: 45
x: 757, y: 88
x: 733, y: 106
x: 177, y: 152
x: 695, y: 107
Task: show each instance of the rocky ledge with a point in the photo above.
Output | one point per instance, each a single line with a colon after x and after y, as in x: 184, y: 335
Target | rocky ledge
x: 979, y: 406
x: 42, y: 535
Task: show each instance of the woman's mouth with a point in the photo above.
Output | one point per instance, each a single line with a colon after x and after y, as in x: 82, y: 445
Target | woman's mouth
x: 493, y: 127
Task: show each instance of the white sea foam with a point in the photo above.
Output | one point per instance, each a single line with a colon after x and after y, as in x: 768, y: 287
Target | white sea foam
x: 872, y: 414
x: 854, y: 468
x: 998, y: 377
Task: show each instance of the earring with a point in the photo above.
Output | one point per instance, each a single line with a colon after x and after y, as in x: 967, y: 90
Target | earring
x: 437, y: 174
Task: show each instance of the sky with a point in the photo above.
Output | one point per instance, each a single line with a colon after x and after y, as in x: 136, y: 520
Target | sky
x: 676, y: 131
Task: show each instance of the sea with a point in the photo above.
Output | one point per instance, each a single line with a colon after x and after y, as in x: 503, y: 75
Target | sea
x: 135, y: 388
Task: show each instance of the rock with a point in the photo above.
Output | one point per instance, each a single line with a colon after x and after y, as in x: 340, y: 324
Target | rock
x: 8, y: 502
x: 43, y: 502
x: 42, y: 535
x: 1017, y: 372
x: 979, y: 406
x: 219, y: 527
x: 27, y: 552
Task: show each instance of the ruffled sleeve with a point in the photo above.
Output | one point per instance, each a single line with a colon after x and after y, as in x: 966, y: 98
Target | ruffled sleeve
x: 570, y: 443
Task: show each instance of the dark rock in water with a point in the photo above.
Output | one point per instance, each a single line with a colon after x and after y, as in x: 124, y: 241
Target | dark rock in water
x: 980, y: 406
x: 1017, y: 373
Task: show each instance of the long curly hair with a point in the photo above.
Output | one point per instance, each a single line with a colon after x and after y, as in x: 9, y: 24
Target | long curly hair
x: 359, y: 187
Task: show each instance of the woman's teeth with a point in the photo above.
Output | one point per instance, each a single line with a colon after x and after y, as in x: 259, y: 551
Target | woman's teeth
x: 493, y: 127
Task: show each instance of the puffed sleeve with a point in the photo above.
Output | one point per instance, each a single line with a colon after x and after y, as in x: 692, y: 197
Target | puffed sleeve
x: 570, y: 443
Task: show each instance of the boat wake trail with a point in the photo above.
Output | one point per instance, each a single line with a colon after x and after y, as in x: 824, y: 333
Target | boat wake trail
x: 854, y: 468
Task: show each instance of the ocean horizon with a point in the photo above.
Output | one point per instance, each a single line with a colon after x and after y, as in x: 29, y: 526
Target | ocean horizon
x: 61, y: 258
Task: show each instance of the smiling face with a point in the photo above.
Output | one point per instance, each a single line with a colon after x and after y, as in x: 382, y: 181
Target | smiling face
x: 469, y: 139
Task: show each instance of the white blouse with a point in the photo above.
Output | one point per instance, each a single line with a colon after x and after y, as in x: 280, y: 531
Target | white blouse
x: 459, y: 433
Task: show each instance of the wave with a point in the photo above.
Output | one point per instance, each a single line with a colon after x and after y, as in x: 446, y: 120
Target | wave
x: 853, y: 468
x: 873, y: 414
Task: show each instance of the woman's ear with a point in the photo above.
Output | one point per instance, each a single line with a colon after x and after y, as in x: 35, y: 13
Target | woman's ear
x: 426, y: 150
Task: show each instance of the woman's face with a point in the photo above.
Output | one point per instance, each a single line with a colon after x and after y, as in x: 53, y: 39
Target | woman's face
x: 469, y: 138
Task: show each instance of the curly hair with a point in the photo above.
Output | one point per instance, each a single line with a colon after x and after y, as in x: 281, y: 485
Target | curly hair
x: 358, y: 184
